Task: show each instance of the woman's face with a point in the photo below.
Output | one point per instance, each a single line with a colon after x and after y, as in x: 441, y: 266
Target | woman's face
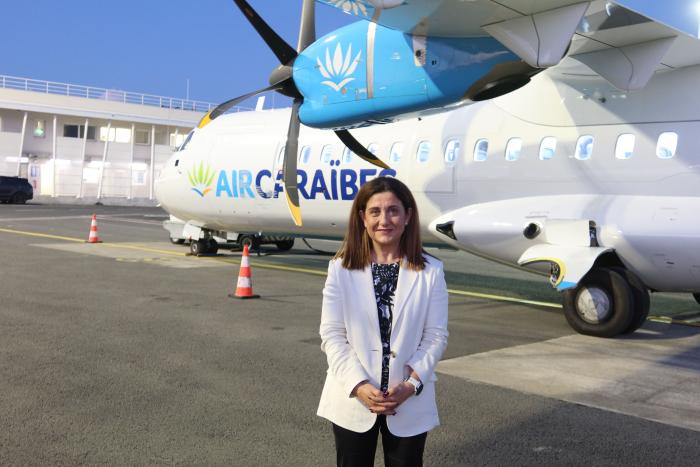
x: 385, y: 219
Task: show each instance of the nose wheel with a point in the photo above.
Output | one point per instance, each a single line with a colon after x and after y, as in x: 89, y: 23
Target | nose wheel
x: 606, y: 303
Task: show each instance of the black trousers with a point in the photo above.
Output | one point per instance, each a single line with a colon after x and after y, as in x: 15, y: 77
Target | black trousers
x: 357, y: 449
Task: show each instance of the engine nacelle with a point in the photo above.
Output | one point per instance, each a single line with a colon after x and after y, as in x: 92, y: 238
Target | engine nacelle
x: 365, y: 73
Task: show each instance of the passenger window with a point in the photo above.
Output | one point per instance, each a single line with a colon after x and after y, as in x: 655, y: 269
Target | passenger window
x: 481, y: 150
x: 584, y: 148
x: 280, y: 156
x: 547, y: 148
x: 347, y: 155
x: 423, y: 153
x: 305, y: 154
x: 452, y: 152
x: 625, y: 146
x: 667, y: 144
x: 396, y: 151
x: 373, y: 148
x: 513, y: 149
x: 327, y: 153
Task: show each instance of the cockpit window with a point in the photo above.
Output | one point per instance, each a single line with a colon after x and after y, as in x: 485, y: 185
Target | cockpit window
x: 186, y: 142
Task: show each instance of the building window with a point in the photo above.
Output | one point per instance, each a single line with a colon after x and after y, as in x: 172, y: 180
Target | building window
x: 142, y: 137
x: 423, y: 153
x: 452, y: 152
x: 396, y: 151
x: 548, y: 147
x: 327, y: 153
x: 78, y: 131
x: 513, y: 149
x: 305, y: 154
x: 584, y: 148
x: 624, y: 149
x: 39, y: 128
x: 123, y: 135
x: 667, y: 145
x: 70, y: 131
x: 481, y: 150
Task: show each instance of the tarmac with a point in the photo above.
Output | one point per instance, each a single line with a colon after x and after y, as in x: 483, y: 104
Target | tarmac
x: 130, y: 352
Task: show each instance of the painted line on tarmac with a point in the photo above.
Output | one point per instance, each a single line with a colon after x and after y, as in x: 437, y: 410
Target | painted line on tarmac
x: 319, y: 272
x: 502, y: 298
x: 266, y: 265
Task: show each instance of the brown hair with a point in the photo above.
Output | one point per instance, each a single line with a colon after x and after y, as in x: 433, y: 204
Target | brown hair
x: 356, y: 250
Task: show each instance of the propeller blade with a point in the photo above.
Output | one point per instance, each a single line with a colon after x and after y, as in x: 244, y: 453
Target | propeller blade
x: 356, y: 147
x: 284, y: 52
x: 290, y: 164
x: 222, y: 108
x: 307, y: 28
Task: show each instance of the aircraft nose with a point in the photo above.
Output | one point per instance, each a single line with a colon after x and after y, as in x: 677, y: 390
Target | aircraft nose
x: 165, y: 184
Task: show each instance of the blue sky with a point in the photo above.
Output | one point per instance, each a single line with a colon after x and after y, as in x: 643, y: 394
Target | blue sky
x: 150, y: 46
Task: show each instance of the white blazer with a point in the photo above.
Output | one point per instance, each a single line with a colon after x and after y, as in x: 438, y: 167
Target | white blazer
x: 352, y: 343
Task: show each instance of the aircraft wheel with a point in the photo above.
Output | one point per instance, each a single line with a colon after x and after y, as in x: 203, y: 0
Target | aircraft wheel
x: 601, y: 305
x: 199, y: 247
x: 213, y: 247
x: 250, y: 240
x: 285, y: 245
x: 640, y: 294
x: 696, y: 296
x: 177, y: 241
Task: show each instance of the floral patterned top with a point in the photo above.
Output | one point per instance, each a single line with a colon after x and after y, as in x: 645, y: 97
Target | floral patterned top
x: 385, y: 278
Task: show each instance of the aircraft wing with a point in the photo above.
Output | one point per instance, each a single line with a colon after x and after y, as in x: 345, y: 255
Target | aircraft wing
x: 624, y: 41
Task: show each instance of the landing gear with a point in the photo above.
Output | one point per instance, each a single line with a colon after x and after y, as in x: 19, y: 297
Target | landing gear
x: 204, y: 246
x: 285, y: 245
x: 640, y: 308
x: 251, y: 241
x: 601, y: 305
x: 177, y: 241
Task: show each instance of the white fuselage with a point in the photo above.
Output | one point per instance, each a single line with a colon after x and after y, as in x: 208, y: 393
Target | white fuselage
x: 645, y: 207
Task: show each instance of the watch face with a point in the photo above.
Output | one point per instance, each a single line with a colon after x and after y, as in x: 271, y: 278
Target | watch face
x: 419, y: 389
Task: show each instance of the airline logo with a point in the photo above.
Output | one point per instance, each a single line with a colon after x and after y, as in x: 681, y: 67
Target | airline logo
x: 338, y: 72
x: 353, y: 7
x: 333, y: 185
x: 201, y: 178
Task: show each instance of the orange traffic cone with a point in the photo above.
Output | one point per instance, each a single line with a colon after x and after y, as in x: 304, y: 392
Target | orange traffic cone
x: 244, y: 286
x: 93, y: 238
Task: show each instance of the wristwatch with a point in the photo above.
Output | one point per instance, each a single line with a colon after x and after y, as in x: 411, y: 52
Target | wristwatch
x: 417, y: 385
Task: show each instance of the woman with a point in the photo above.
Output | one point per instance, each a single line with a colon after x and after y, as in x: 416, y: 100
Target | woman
x: 383, y: 329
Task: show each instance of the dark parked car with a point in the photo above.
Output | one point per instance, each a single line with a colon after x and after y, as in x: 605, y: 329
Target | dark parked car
x: 15, y: 190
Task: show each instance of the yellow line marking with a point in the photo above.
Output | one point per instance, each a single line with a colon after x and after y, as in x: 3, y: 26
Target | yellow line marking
x: 34, y: 234
x: 317, y: 272
x: 503, y: 298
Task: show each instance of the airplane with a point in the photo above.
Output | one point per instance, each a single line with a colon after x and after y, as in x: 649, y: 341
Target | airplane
x: 589, y: 172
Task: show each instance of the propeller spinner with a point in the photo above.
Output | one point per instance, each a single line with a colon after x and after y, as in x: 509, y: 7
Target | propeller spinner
x: 282, y: 82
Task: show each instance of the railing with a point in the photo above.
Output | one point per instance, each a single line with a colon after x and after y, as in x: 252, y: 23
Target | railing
x: 114, y: 95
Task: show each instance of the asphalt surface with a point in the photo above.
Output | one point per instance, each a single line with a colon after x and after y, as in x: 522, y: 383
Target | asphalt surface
x: 130, y: 353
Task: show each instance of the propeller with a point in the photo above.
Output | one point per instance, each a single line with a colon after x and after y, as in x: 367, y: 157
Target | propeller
x: 281, y: 81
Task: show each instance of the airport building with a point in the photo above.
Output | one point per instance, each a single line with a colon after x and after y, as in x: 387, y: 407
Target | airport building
x: 81, y: 144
